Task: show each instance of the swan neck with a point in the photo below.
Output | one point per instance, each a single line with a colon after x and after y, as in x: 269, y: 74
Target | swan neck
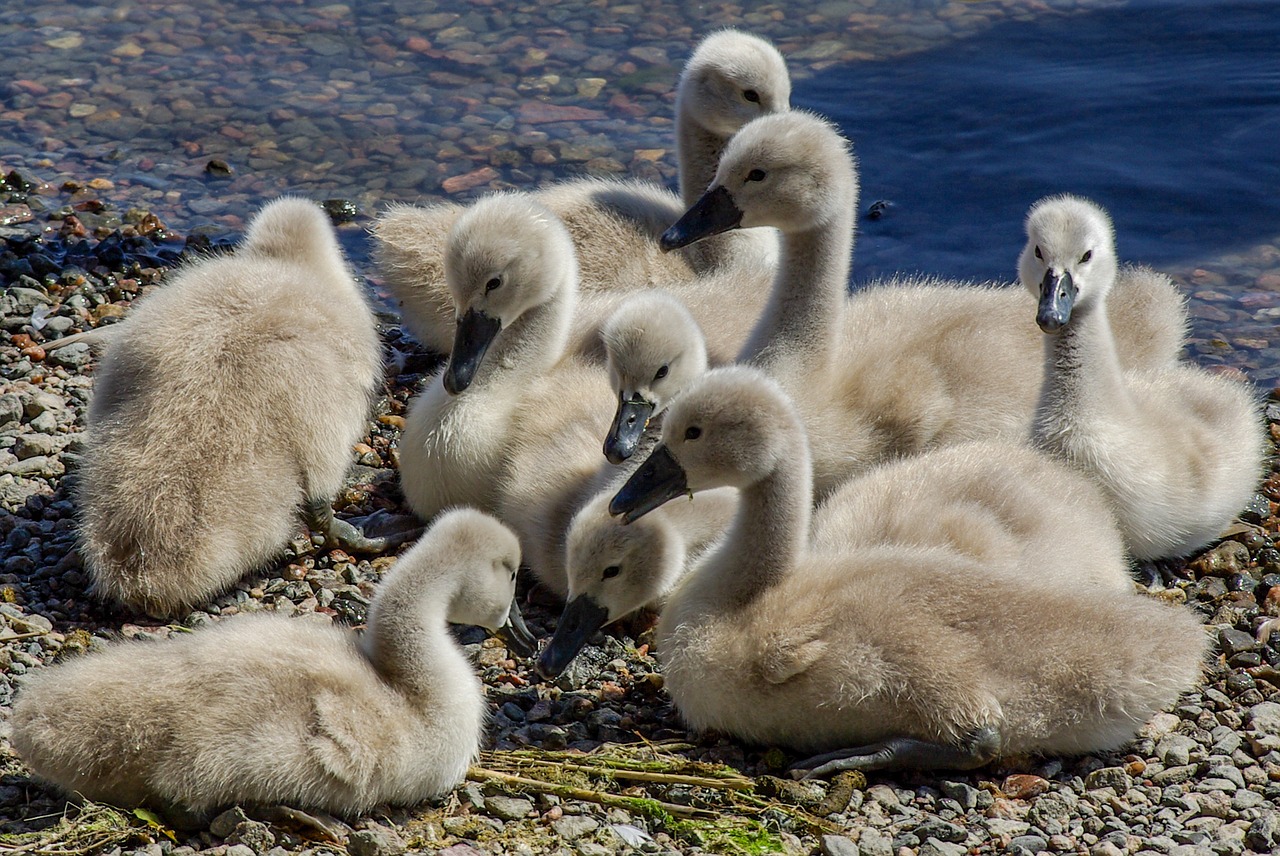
x: 769, y: 533
x: 407, y: 638
x: 803, y: 316
x: 698, y: 153
x: 1082, y: 370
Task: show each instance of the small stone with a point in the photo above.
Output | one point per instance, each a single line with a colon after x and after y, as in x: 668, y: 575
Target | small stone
x: 872, y: 842
x: 838, y: 845
x: 1174, y: 775
x: 226, y: 823
x: 572, y: 827
x: 1021, y: 786
x: 508, y: 808
x: 375, y: 841
x: 1228, y: 558
x: 31, y: 445
x: 965, y: 794
x: 1265, y: 718
x: 934, y: 847
x: 74, y: 356
x: 1175, y: 750
x: 239, y: 850
x: 884, y: 795
x: 1109, y: 777
x: 1263, y: 833
x: 254, y: 835
x: 10, y: 408
x: 1028, y: 843
x: 1233, y: 641
x: 941, y: 830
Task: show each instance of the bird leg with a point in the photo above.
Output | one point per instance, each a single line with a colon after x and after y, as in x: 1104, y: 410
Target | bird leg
x: 1161, y: 573
x: 319, y: 517
x: 980, y: 747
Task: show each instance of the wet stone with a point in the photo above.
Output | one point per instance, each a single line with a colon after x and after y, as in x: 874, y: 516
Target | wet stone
x: 1233, y: 641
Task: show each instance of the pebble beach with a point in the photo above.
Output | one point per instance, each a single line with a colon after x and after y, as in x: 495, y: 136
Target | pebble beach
x: 106, y: 184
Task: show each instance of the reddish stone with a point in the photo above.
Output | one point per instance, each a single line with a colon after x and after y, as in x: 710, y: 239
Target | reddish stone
x: 1021, y: 786
x: 536, y: 112
x: 459, y: 183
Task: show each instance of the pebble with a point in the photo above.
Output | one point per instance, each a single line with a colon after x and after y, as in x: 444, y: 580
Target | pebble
x: 376, y: 840
x: 573, y: 827
x: 508, y: 808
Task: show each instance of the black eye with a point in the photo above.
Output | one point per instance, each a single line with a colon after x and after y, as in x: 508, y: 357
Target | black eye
x: 1088, y: 255
x: 610, y: 572
x: 493, y: 283
x: 752, y: 96
x: 662, y: 372
x: 693, y: 432
x: 755, y: 175
x: 1038, y: 254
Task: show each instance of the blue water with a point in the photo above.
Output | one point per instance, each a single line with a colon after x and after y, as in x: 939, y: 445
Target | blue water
x: 1166, y: 113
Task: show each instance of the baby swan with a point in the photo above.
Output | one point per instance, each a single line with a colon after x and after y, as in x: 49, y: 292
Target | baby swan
x: 264, y: 710
x: 893, y: 655
x: 730, y: 78
x: 1178, y: 450
x: 226, y: 400
x: 615, y: 569
x: 512, y: 275
x: 653, y: 349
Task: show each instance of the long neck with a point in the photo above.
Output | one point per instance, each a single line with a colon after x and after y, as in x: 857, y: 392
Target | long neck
x: 1082, y: 374
x: 768, y: 534
x: 697, y: 156
x: 803, y: 316
x: 533, y: 343
x: 407, y: 639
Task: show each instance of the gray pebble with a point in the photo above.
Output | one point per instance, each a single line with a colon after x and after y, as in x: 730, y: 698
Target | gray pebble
x: 873, y: 843
x: 508, y: 808
x: 226, y: 823
x: 45, y: 423
x: 838, y: 845
x: 1028, y: 843
x: 1109, y: 777
x: 573, y: 827
x: 239, y: 850
x: 375, y: 841
x: 254, y: 835
x: 73, y: 356
x: 1265, y: 718
x: 10, y: 408
x: 934, y: 847
x: 33, y: 445
x: 1175, y: 750
x: 965, y: 794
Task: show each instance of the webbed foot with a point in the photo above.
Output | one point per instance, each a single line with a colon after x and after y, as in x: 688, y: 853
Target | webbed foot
x: 1161, y: 573
x: 337, y: 532
x: 981, y: 747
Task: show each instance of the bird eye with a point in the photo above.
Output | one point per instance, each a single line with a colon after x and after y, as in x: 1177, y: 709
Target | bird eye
x: 755, y: 175
x: 662, y: 372
x: 610, y: 572
x: 493, y: 283
x: 1038, y: 253
x: 1088, y: 255
x: 752, y: 96
x: 693, y: 432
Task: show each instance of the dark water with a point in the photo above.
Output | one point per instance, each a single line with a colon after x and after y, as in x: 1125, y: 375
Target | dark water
x: 1166, y: 113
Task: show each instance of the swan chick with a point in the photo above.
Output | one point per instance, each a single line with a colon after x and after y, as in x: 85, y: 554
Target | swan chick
x: 653, y: 350
x: 225, y: 400
x: 730, y: 78
x: 615, y: 569
x: 892, y: 655
x: 266, y: 710
x: 512, y: 277
x: 1178, y: 450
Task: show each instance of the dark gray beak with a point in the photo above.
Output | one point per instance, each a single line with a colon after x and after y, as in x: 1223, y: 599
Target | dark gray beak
x: 713, y: 213
x: 1057, y: 296
x: 659, y: 479
x: 515, y: 634
x: 475, y: 333
x: 581, y: 618
x: 628, y: 426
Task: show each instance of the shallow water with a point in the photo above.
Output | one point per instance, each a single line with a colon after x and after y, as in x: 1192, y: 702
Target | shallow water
x: 962, y: 113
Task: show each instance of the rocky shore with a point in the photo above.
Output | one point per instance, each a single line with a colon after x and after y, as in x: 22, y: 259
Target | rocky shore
x: 598, y: 762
